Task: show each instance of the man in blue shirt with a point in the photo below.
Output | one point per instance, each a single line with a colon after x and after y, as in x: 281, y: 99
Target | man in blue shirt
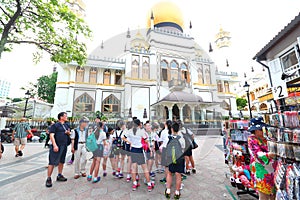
x: 60, y: 139
x: 19, y: 135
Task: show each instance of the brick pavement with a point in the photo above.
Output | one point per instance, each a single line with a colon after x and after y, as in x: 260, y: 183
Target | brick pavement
x: 24, y: 178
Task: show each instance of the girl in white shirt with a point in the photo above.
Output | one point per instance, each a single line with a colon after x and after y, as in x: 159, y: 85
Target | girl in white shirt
x: 134, y: 138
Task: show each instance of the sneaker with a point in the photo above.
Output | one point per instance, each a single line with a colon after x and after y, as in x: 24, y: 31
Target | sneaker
x: 128, y: 179
x: 104, y: 174
x: 70, y: 162
x: 61, y: 178
x: 177, y: 196
x: 121, y: 175
x: 152, y: 184
x: 181, y: 186
x: 163, y: 180
x: 150, y: 188
x: 117, y: 175
x: 194, y: 171
x: 114, y: 173
x: 17, y: 155
x: 134, y: 187
x: 96, y: 180
x: 168, y: 195
x: 20, y: 153
x: 183, y: 177
x: 89, y: 178
x: 187, y: 172
x: 152, y: 174
x: 76, y: 176
x: 49, y: 182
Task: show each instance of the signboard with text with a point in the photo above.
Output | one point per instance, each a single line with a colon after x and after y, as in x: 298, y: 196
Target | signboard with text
x: 279, y: 86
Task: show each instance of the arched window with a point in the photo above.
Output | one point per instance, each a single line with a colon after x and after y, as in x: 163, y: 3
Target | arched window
x: 164, y: 70
x: 84, y: 103
x: 118, y: 77
x: 184, y: 72
x: 252, y: 96
x: 135, y: 67
x: 93, y: 75
x: 220, y: 86
x: 226, y: 85
x: 207, y: 75
x: 111, y: 104
x: 174, y: 70
x: 200, y: 75
x: 106, y: 77
x: 80, y: 74
x: 146, y: 70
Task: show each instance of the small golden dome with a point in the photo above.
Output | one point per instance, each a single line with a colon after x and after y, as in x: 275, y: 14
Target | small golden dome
x: 165, y: 12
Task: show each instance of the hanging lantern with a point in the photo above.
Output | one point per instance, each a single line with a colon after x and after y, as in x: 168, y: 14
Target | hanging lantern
x: 145, y: 114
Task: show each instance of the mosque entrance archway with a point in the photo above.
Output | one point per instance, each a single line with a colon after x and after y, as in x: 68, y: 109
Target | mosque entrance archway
x: 186, y: 113
x: 166, y: 113
x: 175, y: 112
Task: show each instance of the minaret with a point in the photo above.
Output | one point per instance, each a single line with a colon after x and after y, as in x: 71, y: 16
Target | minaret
x: 152, y: 21
x: 190, y: 28
x: 222, y: 42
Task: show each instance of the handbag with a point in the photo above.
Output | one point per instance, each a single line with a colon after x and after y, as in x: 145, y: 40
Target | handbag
x: 91, y: 144
x: 195, y: 145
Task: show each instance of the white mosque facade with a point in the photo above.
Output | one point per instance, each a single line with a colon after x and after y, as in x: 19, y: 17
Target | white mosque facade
x: 156, y: 73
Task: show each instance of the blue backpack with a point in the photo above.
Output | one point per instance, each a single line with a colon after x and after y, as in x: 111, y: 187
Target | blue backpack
x: 91, y: 144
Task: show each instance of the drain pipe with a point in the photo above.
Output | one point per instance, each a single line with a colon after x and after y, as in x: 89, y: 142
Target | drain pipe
x: 268, y: 68
x: 270, y: 77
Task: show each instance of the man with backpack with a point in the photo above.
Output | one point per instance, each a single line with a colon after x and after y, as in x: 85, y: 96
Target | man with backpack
x: 19, y: 135
x: 175, y: 160
x: 60, y: 139
x: 78, y: 137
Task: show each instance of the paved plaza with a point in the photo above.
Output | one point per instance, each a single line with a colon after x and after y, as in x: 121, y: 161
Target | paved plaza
x: 24, y: 178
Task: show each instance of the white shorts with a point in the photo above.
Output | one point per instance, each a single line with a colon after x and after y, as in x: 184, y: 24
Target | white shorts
x: 19, y: 141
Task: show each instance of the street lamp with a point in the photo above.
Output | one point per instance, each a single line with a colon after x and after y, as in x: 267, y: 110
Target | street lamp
x: 246, y: 86
x: 27, y: 96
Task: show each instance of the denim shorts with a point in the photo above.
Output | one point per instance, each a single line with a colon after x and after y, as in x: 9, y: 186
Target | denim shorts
x: 57, y: 157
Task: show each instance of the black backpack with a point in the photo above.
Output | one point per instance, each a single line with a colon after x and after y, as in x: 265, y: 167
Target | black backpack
x: 188, y: 140
x: 174, y: 150
x: 118, y: 142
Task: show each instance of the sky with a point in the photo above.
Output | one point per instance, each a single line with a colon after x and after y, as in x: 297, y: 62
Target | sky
x: 252, y: 24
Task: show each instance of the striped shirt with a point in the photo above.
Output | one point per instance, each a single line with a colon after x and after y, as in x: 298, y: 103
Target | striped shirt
x: 21, y: 130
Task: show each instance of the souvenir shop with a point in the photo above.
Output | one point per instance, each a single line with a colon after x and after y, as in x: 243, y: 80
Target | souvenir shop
x: 283, y: 137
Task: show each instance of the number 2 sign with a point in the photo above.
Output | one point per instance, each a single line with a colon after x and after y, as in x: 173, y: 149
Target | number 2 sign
x: 280, y: 92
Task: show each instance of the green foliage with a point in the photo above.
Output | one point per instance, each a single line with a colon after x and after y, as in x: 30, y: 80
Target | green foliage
x: 46, y: 86
x: 14, y: 100
x: 241, y: 103
x: 48, y: 24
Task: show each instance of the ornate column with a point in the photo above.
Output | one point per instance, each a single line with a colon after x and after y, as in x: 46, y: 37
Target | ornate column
x: 180, y: 107
x: 193, y: 113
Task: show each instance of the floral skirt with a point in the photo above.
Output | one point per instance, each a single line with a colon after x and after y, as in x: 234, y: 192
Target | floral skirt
x: 262, y: 179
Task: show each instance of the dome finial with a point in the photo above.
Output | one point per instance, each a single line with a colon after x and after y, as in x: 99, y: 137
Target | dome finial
x: 210, y: 48
x: 128, y: 33
x: 102, y: 45
x: 191, y: 25
x: 227, y: 63
x: 152, y: 16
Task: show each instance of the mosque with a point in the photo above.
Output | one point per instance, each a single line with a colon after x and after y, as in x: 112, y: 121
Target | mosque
x: 155, y: 73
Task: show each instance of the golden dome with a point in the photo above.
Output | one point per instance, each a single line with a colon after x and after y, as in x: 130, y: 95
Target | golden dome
x: 165, y: 12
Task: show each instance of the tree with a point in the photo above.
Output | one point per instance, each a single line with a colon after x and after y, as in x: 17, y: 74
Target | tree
x: 46, y: 86
x: 241, y: 103
x: 48, y: 24
x: 14, y: 100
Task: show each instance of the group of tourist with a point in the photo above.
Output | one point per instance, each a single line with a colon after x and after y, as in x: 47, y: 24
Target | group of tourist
x: 128, y: 145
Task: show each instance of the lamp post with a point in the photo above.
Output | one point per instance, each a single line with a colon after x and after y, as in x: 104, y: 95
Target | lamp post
x: 246, y: 86
x: 27, y: 96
